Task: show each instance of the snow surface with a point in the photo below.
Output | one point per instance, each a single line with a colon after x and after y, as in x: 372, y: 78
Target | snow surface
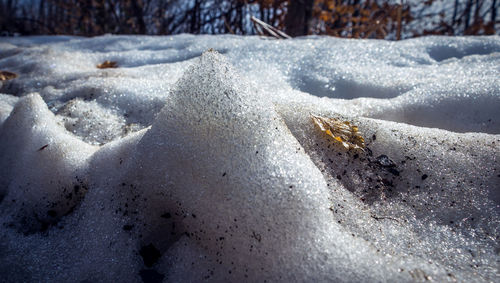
x: 184, y: 164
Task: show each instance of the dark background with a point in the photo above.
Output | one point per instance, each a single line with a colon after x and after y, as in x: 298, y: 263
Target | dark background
x: 387, y: 19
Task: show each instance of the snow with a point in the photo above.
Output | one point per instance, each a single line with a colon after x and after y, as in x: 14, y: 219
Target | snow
x: 192, y: 164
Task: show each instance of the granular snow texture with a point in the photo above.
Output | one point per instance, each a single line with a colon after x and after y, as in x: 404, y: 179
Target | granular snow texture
x: 197, y: 159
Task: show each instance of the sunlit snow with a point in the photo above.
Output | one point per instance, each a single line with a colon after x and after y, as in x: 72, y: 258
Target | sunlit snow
x: 197, y: 159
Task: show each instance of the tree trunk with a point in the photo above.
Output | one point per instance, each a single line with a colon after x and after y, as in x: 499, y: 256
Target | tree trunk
x: 476, y: 12
x: 297, y: 17
x: 100, y: 17
x: 455, y: 10
x: 195, y: 23
x: 493, y: 11
x: 138, y: 13
x: 41, y: 11
x: 468, y: 11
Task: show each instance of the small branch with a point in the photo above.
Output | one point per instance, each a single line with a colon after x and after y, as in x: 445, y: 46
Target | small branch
x: 261, y: 26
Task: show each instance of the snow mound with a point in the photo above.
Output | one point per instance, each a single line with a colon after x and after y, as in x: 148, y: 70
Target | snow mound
x: 184, y: 164
x: 43, y: 177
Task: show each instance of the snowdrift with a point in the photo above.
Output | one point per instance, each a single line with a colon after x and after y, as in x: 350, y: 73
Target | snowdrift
x: 186, y: 163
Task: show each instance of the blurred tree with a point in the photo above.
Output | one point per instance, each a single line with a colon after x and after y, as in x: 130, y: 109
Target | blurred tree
x: 360, y: 19
x: 469, y: 17
x: 393, y: 19
x: 298, y: 17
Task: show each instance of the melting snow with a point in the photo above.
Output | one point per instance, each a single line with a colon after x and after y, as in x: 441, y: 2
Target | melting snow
x: 184, y: 164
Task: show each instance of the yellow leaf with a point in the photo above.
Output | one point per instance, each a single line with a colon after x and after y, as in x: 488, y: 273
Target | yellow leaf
x: 342, y: 132
x: 107, y: 64
x: 5, y: 75
x: 331, y: 5
x: 325, y: 16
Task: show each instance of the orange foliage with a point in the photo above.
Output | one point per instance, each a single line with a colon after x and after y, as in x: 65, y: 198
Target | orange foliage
x: 365, y: 19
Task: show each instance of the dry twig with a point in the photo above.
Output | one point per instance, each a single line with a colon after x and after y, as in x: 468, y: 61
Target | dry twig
x: 265, y: 29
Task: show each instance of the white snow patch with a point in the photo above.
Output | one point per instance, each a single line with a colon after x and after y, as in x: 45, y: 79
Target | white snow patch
x: 209, y: 167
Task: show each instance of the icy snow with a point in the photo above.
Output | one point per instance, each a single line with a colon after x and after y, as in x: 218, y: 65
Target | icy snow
x: 189, y: 164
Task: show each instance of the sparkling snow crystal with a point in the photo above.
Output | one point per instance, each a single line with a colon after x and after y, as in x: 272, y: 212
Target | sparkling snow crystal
x: 195, y: 158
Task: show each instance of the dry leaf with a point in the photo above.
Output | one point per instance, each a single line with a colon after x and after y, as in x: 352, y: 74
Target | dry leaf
x: 107, y: 64
x: 342, y: 132
x: 4, y: 76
